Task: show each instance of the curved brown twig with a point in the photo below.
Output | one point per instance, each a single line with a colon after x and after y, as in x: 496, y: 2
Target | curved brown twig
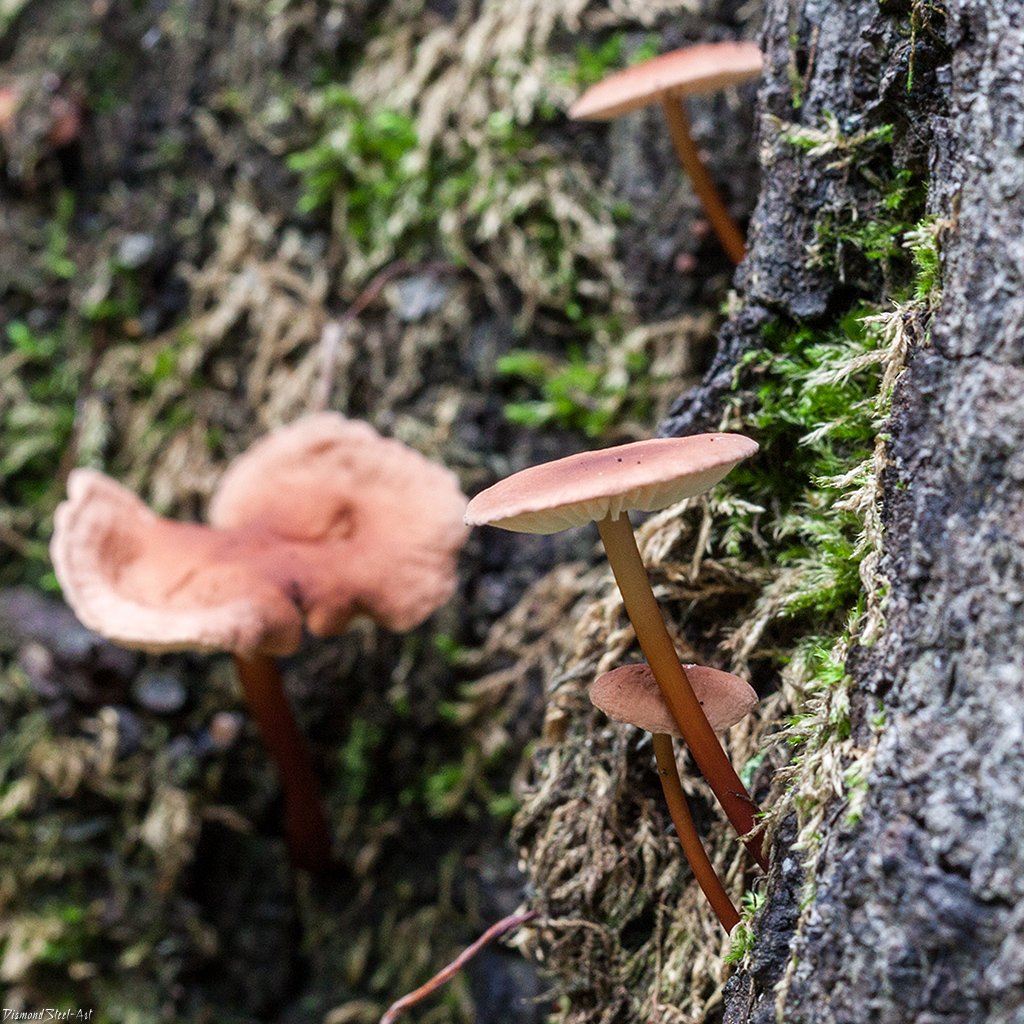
x: 506, y: 924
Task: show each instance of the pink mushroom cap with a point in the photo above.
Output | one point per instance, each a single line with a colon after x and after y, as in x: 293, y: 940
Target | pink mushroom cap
x: 644, y: 475
x: 319, y: 521
x: 631, y: 694
x: 690, y: 71
x: 367, y: 524
x: 157, y: 585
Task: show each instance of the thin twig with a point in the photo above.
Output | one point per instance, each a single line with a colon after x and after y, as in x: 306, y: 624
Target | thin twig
x: 506, y: 924
x: 330, y: 337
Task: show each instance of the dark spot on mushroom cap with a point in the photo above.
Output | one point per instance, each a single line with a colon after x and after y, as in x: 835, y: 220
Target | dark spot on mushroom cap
x: 342, y: 524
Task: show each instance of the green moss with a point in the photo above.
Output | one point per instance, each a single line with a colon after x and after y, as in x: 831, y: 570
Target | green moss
x: 37, y: 415
x: 811, y: 396
x: 876, y: 233
x: 574, y: 393
x: 355, y: 760
x: 742, y: 939
x: 394, y: 197
x: 817, y: 397
x: 923, y: 242
x: 498, y: 194
x: 363, y: 156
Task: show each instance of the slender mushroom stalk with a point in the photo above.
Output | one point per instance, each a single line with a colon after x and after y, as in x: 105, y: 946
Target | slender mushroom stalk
x: 718, y: 215
x: 652, y: 635
x: 669, y: 79
x: 631, y: 694
x: 697, y: 857
x: 307, y: 830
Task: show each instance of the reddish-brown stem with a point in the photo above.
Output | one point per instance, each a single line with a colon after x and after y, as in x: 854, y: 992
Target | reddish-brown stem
x: 689, y: 839
x: 655, y: 642
x: 506, y: 924
x: 307, y: 830
x: 724, y: 226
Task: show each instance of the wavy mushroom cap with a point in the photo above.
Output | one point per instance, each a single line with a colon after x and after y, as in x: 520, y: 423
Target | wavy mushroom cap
x: 156, y: 585
x: 643, y: 475
x: 631, y: 694
x: 705, y: 67
x: 369, y: 525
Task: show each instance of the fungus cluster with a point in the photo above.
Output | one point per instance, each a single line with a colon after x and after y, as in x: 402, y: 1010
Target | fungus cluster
x: 603, y: 486
x: 317, y: 523
x: 325, y: 520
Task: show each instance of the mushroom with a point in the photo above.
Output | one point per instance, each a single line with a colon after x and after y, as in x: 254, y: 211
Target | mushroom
x: 335, y: 488
x: 669, y: 79
x: 602, y: 486
x: 313, y: 525
x: 630, y: 694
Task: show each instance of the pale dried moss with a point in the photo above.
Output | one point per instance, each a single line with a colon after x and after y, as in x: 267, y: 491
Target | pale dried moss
x: 263, y: 293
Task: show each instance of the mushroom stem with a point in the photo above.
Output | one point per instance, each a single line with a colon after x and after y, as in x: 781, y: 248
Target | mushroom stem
x: 724, y: 226
x: 307, y: 830
x: 643, y: 611
x: 696, y: 855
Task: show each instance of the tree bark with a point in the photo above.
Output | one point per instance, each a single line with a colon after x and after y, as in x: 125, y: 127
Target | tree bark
x: 916, y: 913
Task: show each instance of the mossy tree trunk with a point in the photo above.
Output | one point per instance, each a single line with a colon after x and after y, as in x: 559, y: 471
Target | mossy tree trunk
x: 911, y: 909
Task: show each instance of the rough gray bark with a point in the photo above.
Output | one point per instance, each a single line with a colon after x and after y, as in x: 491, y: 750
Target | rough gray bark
x: 916, y: 915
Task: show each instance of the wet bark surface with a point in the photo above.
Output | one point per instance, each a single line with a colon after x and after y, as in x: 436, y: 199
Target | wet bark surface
x: 916, y: 909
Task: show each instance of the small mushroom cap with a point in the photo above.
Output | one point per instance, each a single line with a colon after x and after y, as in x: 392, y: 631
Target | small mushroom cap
x: 631, y: 694
x: 643, y: 475
x: 370, y: 525
x: 687, y: 72
x: 149, y: 583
